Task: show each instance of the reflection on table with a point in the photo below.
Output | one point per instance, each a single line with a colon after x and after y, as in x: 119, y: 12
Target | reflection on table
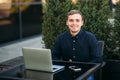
x: 38, y: 75
x: 67, y: 74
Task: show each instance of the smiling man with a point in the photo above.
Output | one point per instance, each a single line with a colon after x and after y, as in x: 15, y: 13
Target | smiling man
x: 76, y: 44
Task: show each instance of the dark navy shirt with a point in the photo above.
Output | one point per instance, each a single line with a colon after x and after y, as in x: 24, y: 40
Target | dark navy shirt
x: 83, y: 47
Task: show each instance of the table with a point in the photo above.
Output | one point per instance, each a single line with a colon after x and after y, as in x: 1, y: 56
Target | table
x: 17, y: 72
x: 86, y: 69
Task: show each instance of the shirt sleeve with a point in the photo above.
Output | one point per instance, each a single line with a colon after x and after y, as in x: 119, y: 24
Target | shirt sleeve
x: 96, y: 53
x: 56, y: 50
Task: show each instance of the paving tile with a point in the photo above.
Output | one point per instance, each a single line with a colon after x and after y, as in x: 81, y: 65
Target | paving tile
x: 15, y: 49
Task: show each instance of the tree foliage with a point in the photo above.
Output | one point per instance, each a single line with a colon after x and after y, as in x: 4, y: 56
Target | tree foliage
x: 96, y: 14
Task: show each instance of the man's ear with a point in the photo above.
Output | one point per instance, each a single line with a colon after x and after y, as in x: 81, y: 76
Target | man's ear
x: 82, y: 23
x: 66, y: 23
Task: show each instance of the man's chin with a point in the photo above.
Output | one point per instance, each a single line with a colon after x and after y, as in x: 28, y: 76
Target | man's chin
x: 75, y: 31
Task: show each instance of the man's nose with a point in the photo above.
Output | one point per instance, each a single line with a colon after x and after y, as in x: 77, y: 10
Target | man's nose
x: 74, y: 22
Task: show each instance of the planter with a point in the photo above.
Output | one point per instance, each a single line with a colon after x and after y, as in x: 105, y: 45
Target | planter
x: 111, y: 71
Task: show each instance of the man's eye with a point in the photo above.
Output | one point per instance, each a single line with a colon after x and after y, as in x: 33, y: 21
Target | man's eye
x: 77, y: 20
x: 71, y: 20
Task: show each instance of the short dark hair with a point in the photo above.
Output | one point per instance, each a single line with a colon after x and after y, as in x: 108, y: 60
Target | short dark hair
x: 71, y: 12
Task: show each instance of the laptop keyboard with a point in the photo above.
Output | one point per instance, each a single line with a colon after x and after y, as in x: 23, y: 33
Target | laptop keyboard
x: 54, y: 68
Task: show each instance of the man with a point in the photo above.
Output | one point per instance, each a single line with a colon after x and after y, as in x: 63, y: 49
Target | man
x: 76, y: 44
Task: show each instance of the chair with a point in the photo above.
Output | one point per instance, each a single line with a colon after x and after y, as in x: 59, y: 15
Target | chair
x: 101, y: 44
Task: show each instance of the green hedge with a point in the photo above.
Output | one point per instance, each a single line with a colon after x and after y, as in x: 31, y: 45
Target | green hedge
x: 114, y: 51
x: 96, y: 13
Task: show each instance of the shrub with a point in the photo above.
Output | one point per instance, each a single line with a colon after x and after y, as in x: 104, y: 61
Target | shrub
x: 114, y: 47
x: 96, y: 13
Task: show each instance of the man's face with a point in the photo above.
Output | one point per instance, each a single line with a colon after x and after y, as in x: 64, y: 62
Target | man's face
x: 74, y: 23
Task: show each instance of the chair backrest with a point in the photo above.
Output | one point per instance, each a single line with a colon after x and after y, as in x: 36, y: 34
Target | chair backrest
x: 101, y: 43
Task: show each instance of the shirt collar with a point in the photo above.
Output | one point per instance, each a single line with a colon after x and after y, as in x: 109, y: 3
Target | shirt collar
x: 77, y: 36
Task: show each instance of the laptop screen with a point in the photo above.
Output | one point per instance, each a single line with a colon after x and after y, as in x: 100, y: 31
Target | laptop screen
x: 38, y: 59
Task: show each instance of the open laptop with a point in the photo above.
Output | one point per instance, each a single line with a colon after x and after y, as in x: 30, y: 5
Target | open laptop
x: 39, y: 59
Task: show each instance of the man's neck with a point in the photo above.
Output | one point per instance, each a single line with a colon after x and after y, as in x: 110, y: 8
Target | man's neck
x: 74, y: 33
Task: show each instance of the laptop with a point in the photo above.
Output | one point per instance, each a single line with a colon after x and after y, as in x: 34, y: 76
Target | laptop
x: 39, y: 59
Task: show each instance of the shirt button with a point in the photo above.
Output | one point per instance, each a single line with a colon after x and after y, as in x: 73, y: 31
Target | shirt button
x: 73, y: 40
x: 73, y: 56
x: 73, y: 49
x: 77, y: 37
